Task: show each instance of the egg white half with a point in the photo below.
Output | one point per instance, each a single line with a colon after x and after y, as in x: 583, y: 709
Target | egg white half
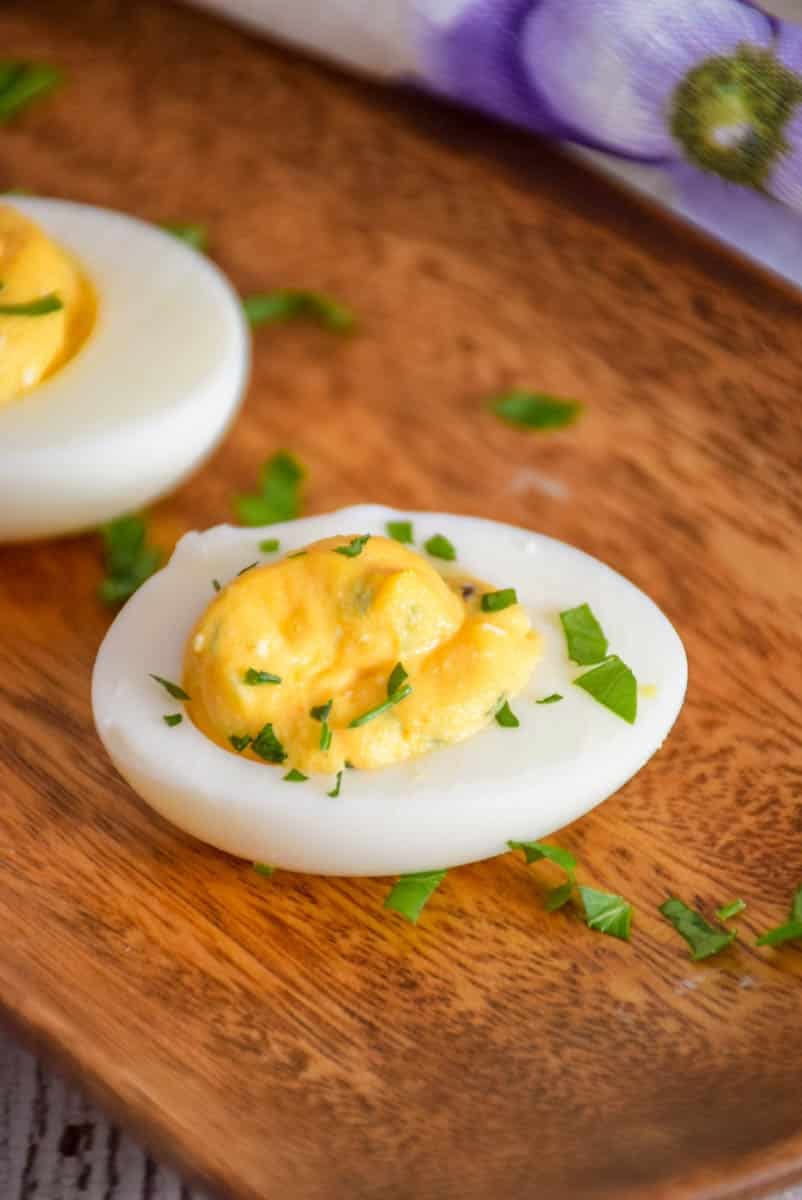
x: 145, y: 399
x: 452, y: 806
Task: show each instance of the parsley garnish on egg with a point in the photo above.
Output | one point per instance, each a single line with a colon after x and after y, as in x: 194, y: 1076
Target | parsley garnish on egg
x: 269, y: 545
x: 613, y: 685
x: 240, y: 743
x: 172, y: 719
x: 411, y: 893
x: 42, y: 306
x: 321, y: 712
x: 397, y: 691
x: 400, y: 531
x: 267, y: 745
x: 295, y: 776
x: 172, y: 689
x: 498, y: 601
x: 354, y: 547
x: 584, y: 635
x: 440, y: 547
x: 255, y: 678
x: 552, y: 699
x: 335, y: 791
x: 506, y: 717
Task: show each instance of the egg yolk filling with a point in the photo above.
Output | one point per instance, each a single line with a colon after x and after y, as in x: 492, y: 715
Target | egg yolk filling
x: 284, y: 639
x: 33, y: 346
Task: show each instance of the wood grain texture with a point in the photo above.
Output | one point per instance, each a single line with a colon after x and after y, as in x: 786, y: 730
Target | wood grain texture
x: 291, y: 1038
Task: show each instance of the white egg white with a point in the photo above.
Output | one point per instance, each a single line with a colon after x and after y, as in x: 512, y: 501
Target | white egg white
x: 146, y: 398
x: 455, y: 805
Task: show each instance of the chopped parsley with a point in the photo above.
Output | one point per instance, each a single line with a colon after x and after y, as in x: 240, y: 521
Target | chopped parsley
x: 42, y: 306
x: 354, y: 547
x: 702, y: 938
x: 534, y: 852
x: 728, y: 911
x: 128, y: 559
x: 216, y: 585
x: 497, y: 601
x: 194, y: 235
x: 295, y: 776
x: 269, y: 545
x: 411, y: 893
x: 613, y: 685
x: 249, y: 567
x: 172, y: 719
x: 279, y: 494
x: 172, y: 689
x: 297, y: 554
x: 321, y: 712
x: 506, y: 717
x: 400, y: 531
x: 552, y: 699
x: 268, y: 308
x: 440, y: 547
x: 264, y: 869
x: 23, y: 82
x: 267, y: 745
x: 583, y: 635
x: 791, y: 930
x: 607, y: 913
x: 397, y: 691
x: 335, y: 791
x: 535, y: 410
x: 240, y: 743
x: 255, y: 678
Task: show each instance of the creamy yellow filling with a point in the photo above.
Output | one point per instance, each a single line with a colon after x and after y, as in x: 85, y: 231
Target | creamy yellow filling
x: 333, y: 627
x: 32, y: 266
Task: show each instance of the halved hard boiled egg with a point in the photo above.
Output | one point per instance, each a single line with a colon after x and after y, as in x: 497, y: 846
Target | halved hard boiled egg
x: 212, y: 687
x: 123, y: 357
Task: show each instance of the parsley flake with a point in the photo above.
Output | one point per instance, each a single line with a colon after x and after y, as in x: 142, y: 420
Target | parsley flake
x: 216, y: 585
x: 267, y: 745
x: 249, y: 567
x: 506, y: 717
x: 534, y: 852
x: 791, y: 930
x: 42, y: 306
x: 172, y: 689
x: 269, y: 545
x: 335, y: 791
x: 535, y: 410
x: 23, y: 82
x: 128, y: 560
x: 255, y: 678
x: 398, y: 677
x: 240, y: 743
x: 194, y: 235
x: 608, y: 913
x: 295, y: 776
x: 702, y: 938
x: 396, y: 692
x: 440, y: 547
x: 354, y: 547
x: 279, y: 494
x: 583, y: 635
x: 411, y: 893
x: 172, y: 719
x: 268, y: 308
x: 498, y: 601
x: 613, y: 685
x: 552, y: 699
x: 400, y: 531
x: 264, y: 869
x: 321, y: 712
x: 728, y: 911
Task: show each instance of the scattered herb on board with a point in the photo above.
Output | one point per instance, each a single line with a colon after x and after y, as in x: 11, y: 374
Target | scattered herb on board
x: 534, y: 852
x: 703, y: 939
x: 172, y: 719
x: 613, y: 685
x: 440, y: 547
x: 255, y: 678
x: 194, y: 235
x: 607, y: 913
x: 411, y: 893
x: 400, y: 531
x: 354, y: 547
x: 535, y: 410
x: 23, y: 82
x: 172, y: 689
x: 791, y: 930
x: 728, y: 911
x: 295, y: 776
x: 267, y: 745
x: 279, y: 495
x: 506, y: 717
x: 128, y: 559
x: 269, y: 308
x: 584, y: 636
x: 498, y: 601
x: 264, y: 869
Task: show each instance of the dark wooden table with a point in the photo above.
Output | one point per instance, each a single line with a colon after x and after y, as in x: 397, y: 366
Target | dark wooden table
x: 292, y: 1038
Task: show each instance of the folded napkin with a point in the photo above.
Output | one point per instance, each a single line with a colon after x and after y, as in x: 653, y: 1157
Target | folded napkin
x: 698, y: 102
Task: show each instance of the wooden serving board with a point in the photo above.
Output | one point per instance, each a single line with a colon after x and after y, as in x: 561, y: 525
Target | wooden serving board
x: 292, y: 1038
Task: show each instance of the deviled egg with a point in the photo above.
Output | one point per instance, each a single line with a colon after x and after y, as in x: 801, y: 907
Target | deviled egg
x: 123, y: 356
x: 372, y: 692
